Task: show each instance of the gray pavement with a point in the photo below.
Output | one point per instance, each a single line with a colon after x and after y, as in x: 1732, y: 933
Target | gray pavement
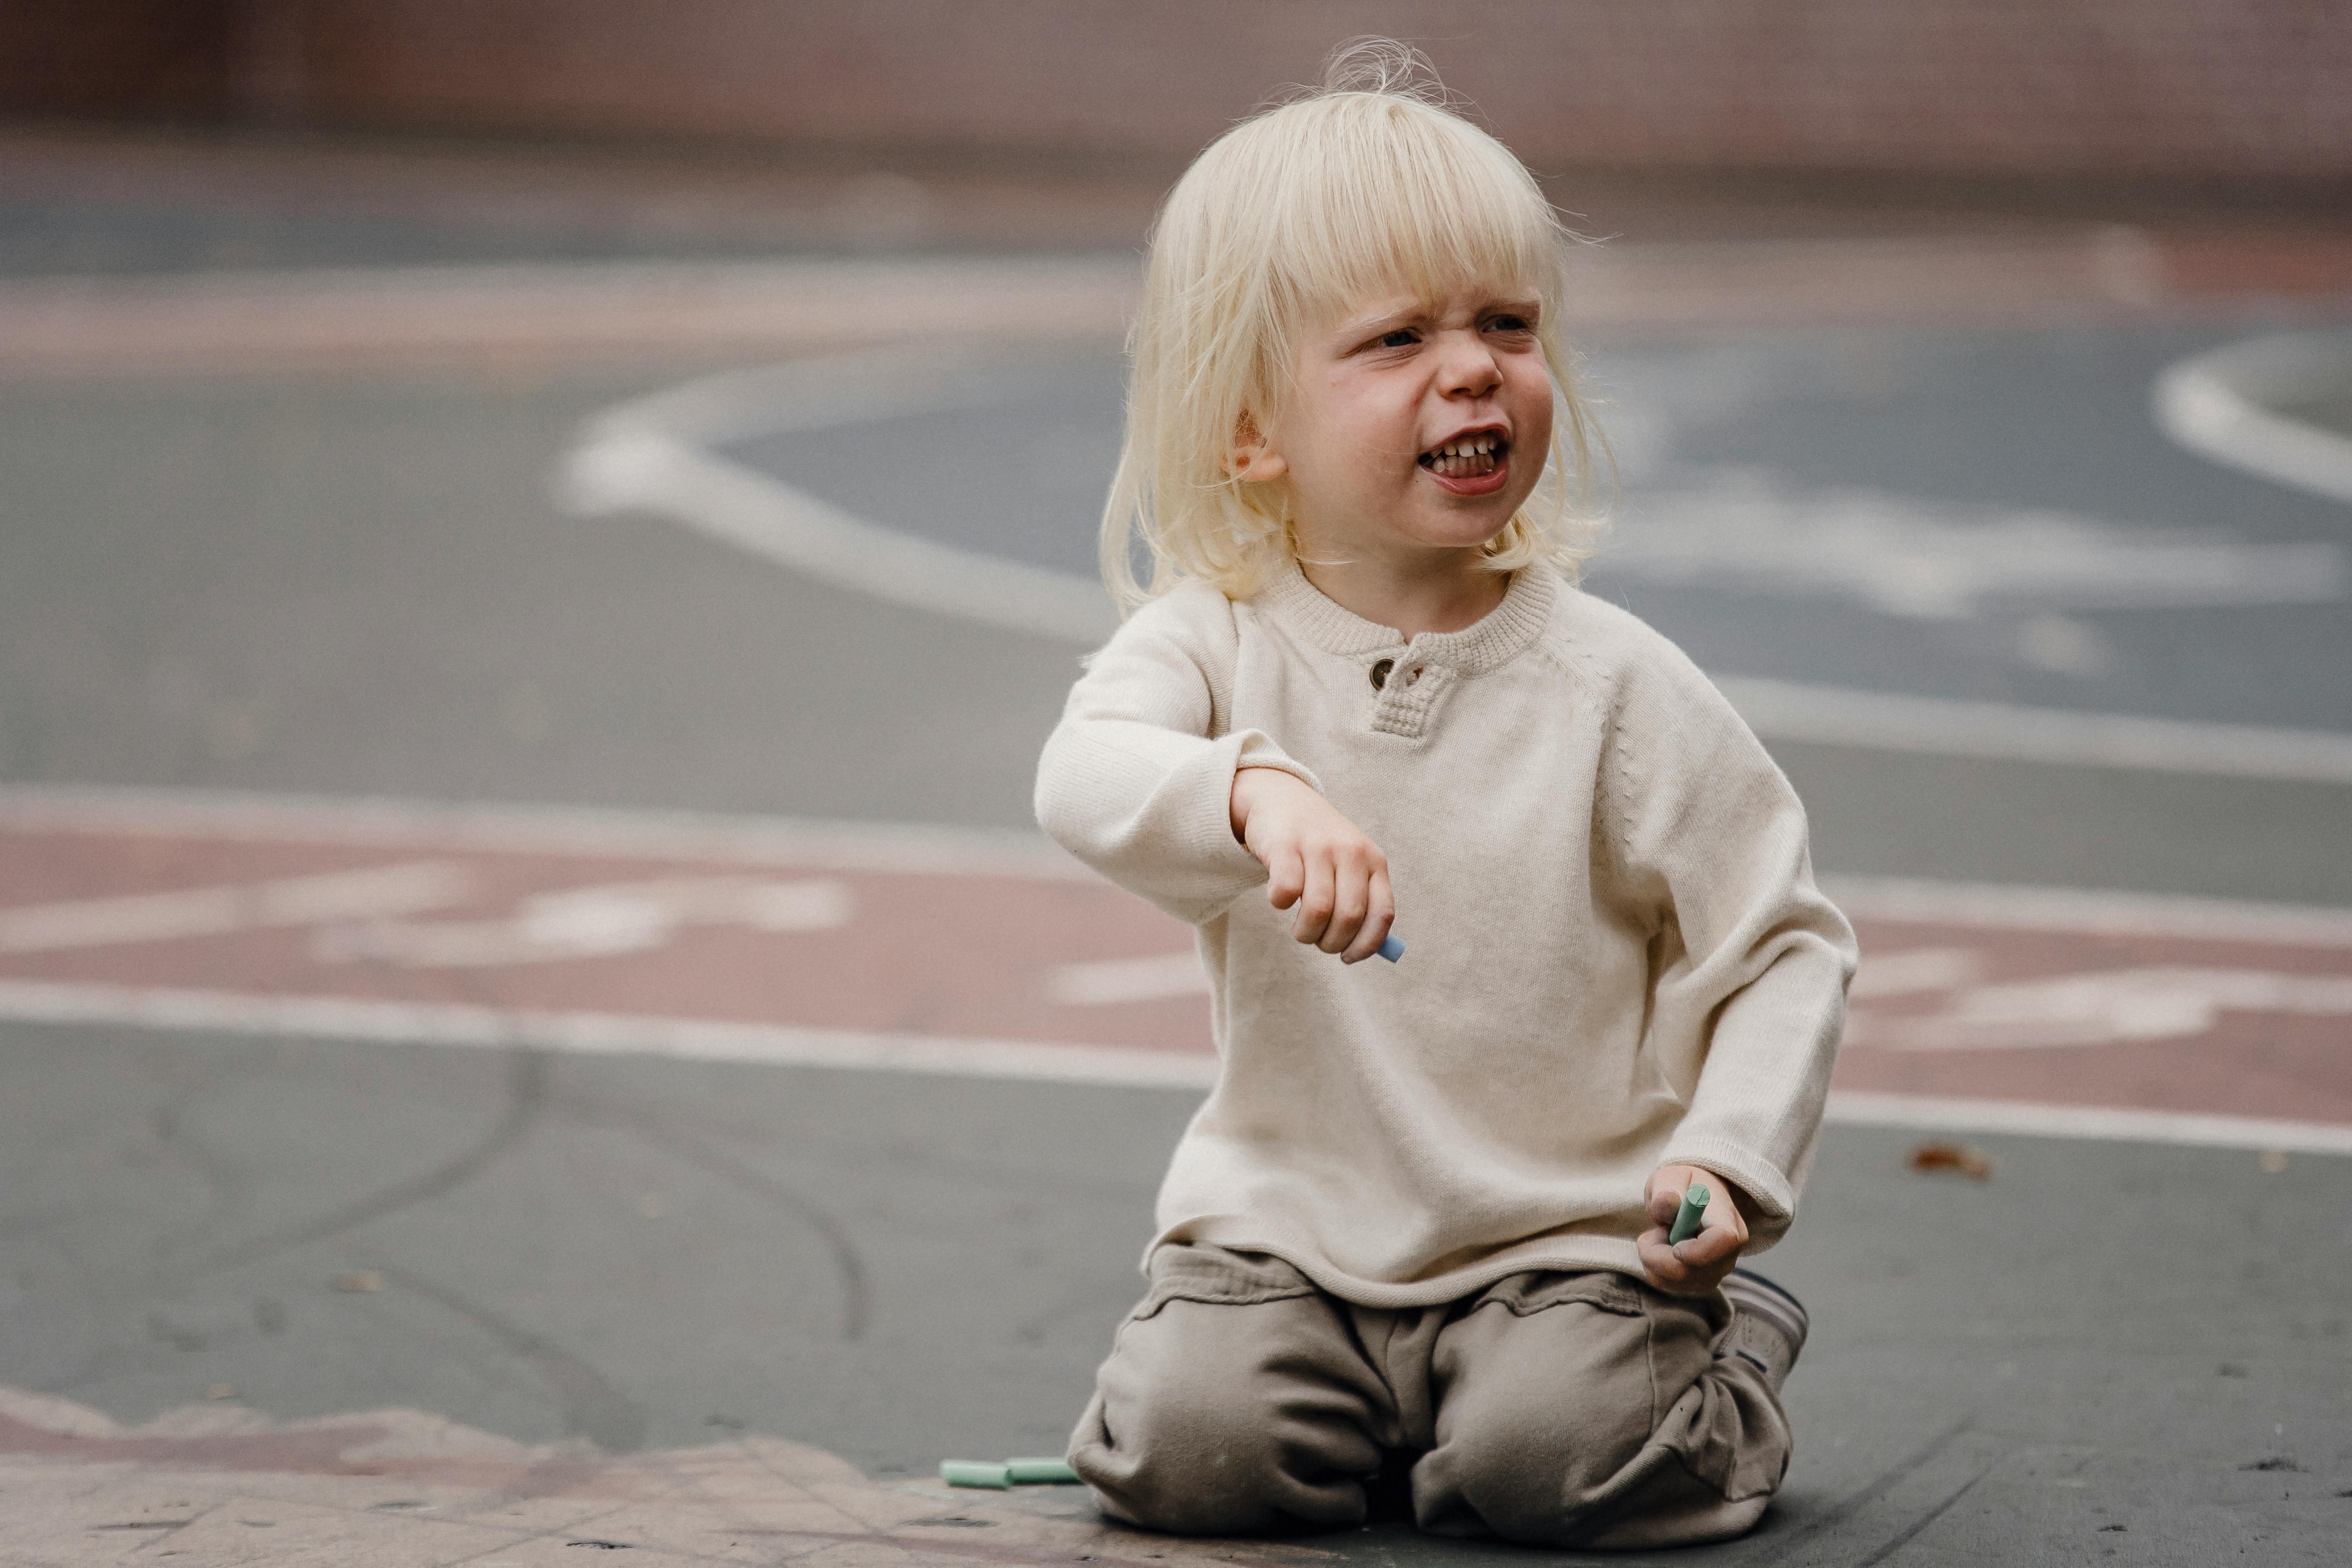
x: 2099, y: 1346
x: 362, y: 587
x: 359, y: 586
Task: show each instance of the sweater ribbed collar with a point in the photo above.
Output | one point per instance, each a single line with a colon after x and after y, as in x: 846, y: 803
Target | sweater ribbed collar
x: 1501, y: 635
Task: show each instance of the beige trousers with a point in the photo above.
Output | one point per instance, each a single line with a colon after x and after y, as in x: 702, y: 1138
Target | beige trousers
x: 1583, y: 1409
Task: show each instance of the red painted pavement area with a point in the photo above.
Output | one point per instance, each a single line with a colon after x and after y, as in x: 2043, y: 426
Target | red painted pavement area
x: 2189, y: 1008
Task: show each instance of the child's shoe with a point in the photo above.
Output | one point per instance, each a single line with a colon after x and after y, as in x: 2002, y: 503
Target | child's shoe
x: 1768, y: 1326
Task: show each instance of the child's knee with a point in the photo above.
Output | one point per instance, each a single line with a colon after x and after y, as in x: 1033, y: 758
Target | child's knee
x: 1528, y: 1470
x: 1593, y: 1473
x: 1215, y: 1455
x: 1232, y: 1402
x: 1582, y: 1411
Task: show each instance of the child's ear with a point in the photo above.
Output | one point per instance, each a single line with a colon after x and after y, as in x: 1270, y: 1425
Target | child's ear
x: 1253, y: 459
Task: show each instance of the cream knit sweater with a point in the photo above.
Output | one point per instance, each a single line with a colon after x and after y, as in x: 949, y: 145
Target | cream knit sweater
x: 1618, y: 956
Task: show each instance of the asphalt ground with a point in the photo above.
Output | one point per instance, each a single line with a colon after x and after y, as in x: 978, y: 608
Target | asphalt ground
x: 359, y: 583
x: 900, y: 1268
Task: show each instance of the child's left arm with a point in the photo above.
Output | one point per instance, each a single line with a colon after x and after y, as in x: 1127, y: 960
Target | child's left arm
x: 1752, y: 962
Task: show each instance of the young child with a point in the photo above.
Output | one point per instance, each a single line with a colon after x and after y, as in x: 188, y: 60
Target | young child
x: 1421, y: 1217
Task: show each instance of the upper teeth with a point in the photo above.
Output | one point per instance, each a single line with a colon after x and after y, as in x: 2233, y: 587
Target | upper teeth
x: 1468, y: 447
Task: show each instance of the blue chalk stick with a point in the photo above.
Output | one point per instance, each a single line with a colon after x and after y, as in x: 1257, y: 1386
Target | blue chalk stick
x: 1391, y: 948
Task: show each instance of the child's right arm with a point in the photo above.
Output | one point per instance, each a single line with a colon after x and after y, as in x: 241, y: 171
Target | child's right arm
x: 1135, y: 782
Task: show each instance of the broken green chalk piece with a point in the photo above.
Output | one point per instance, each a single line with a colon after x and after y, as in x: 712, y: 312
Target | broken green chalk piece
x: 1687, y: 1217
x: 1040, y: 1473
x: 976, y: 1473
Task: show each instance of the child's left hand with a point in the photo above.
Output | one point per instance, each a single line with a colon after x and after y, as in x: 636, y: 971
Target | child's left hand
x: 1697, y: 1266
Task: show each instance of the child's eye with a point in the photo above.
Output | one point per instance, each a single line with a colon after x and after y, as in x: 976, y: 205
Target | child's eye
x: 1508, y: 322
x: 1403, y: 338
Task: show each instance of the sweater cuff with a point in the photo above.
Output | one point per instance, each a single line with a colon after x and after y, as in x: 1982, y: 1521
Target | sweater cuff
x: 1234, y: 870
x: 1258, y: 750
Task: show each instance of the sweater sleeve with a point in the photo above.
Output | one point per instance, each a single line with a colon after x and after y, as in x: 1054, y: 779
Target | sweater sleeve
x: 1137, y: 782
x: 1753, y: 961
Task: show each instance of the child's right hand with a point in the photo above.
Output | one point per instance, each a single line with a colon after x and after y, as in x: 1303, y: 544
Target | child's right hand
x: 1316, y: 859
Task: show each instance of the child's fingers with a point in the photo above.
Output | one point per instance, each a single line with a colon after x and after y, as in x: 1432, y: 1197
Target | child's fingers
x: 1286, y: 876
x: 1675, y: 1267
x: 1380, y: 913
x: 1667, y: 1185
x: 1351, y: 901
x: 1316, y: 902
x: 1712, y: 1243
x: 1665, y: 1270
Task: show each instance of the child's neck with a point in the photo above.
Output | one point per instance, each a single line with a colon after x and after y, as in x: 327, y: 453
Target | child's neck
x: 1442, y: 591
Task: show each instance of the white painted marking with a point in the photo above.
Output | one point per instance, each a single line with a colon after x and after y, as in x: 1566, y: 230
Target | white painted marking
x: 230, y: 319
x: 394, y: 824
x: 1924, y: 560
x: 2122, y: 1007
x: 593, y: 922
x: 1129, y: 980
x: 2089, y: 911
x: 1919, y: 969
x: 596, y: 1034
x: 1936, y: 726
x: 375, y: 892
x: 919, y: 848
x: 660, y: 453
x: 2103, y: 1123
x: 702, y: 1040
x: 2227, y: 406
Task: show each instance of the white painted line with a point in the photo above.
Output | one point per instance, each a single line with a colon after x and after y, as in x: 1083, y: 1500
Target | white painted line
x: 378, y: 822
x: 1888, y: 721
x: 2227, y: 406
x: 375, y: 892
x: 2102, y: 1123
x: 595, y: 1034
x: 684, y: 1039
x: 1912, y: 972
x: 594, y: 921
x: 1751, y: 531
x: 2100, y: 1007
x: 661, y: 454
x: 919, y: 848
x: 257, y: 320
x: 2091, y: 912
x: 1116, y: 980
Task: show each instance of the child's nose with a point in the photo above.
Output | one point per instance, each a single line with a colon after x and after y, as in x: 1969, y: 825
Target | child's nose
x: 1470, y: 370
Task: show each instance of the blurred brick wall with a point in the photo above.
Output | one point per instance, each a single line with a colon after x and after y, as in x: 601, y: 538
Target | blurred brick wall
x: 115, y: 58
x: 2194, y: 88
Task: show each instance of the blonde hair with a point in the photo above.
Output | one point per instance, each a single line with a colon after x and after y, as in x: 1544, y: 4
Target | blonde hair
x: 1370, y: 184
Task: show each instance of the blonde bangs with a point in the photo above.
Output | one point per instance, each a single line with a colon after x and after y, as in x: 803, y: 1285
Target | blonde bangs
x: 1365, y: 189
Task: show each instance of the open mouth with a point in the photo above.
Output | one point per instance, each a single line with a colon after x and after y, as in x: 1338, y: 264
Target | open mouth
x: 1467, y: 458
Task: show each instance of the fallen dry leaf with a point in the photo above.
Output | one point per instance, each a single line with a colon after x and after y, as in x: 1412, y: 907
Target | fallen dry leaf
x: 1951, y: 1157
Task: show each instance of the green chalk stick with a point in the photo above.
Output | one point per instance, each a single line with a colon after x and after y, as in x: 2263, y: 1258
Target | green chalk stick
x: 1687, y: 1217
x: 976, y: 1473
x: 1040, y: 1473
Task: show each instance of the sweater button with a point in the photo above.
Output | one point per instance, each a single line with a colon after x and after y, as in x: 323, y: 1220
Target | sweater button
x: 1381, y: 673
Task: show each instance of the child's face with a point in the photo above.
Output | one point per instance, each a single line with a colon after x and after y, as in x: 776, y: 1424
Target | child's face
x: 1386, y: 393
